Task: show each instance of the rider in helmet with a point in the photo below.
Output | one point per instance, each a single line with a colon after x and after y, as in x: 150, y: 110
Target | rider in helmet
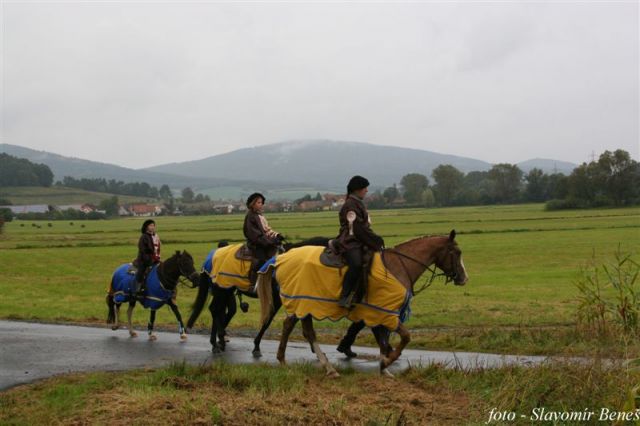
x: 148, y: 253
x: 260, y: 237
x: 355, y: 236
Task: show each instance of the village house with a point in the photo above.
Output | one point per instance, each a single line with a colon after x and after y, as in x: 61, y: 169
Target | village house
x: 142, y: 210
x: 29, y: 208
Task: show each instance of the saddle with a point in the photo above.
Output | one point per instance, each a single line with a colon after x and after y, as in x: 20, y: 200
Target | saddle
x: 330, y: 258
x: 244, y: 253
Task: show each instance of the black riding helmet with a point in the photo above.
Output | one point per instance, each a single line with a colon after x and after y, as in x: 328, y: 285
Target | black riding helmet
x: 145, y: 224
x: 357, y: 182
x: 253, y: 197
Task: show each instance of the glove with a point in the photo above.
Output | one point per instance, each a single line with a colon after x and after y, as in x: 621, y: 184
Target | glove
x: 279, y: 238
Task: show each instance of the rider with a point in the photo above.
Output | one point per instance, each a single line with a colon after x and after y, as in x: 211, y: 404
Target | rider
x: 355, y: 236
x: 260, y: 237
x: 148, y: 253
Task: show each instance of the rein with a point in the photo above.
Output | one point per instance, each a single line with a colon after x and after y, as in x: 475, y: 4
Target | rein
x: 429, y: 268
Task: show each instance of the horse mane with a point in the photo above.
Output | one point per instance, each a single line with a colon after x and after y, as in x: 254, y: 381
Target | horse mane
x: 416, y: 239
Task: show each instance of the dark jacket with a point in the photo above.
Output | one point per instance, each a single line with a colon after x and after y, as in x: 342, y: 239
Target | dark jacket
x: 146, y: 251
x: 255, y: 234
x: 359, y: 234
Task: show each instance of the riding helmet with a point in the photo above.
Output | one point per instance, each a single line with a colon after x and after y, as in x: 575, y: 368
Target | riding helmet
x: 357, y: 182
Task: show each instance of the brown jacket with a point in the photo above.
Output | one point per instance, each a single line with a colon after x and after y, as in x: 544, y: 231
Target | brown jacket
x: 355, y: 228
x: 255, y: 232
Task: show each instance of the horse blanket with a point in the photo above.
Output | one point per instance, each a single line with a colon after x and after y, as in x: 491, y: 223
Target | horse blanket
x: 225, y: 270
x: 155, y: 295
x: 307, y: 287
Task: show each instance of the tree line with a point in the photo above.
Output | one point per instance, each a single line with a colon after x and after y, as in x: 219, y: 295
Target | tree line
x: 16, y: 171
x: 612, y: 180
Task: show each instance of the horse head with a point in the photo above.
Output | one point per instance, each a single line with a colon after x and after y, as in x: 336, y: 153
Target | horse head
x: 449, y: 260
x: 185, y: 267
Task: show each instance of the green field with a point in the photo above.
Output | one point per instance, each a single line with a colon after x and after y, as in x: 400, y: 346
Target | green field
x: 522, y: 262
x: 21, y: 195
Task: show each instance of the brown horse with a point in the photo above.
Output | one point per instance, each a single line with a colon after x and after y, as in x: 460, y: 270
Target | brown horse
x: 406, y: 262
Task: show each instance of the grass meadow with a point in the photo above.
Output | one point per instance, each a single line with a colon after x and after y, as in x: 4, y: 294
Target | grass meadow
x: 522, y: 261
x: 523, y: 264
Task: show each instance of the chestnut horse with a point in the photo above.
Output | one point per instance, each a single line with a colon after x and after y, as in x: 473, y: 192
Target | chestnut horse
x: 160, y: 289
x: 406, y: 262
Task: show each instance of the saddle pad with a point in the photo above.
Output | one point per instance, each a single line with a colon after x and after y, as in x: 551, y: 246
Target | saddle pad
x: 227, y: 271
x: 309, y: 288
x: 155, y: 295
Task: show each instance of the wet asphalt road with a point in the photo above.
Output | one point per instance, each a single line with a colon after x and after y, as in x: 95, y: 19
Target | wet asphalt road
x: 33, y: 351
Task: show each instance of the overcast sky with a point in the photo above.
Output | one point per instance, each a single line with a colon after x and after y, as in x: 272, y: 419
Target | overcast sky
x: 145, y: 83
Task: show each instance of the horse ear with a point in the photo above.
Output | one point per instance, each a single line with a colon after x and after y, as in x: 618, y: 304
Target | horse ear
x: 452, y: 235
x: 177, y: 252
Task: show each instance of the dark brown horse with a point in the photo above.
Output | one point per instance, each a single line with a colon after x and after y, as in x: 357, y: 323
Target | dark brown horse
x: 161, y: 283
x: 406, y: 262
x: 221, y: 315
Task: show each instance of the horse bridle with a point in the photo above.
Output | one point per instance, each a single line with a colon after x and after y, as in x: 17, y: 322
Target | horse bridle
x: 181, y: 280
x: 449, y: 276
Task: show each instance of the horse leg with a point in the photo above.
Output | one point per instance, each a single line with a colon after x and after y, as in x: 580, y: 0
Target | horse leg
x: 382, y: 337
x: 287, y: 328
x: 277, y: 303
x: 132, y: 305
x: 405, y: 338
x: 218, y: 313
x: 310, y: 334
x: 181, y: 329
x: 116, y: 312
x: 345, y: 344
x: 214, y: 323
x: 231, y: 308
x: 152, y: 321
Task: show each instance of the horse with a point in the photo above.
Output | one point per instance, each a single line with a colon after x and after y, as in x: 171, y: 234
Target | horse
x: 223, y: 297
x: 160, y: 289
x: 401, y: 267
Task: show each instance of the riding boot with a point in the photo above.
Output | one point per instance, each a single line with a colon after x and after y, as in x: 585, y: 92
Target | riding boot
x: 349, y: 339
x: 347, y: 295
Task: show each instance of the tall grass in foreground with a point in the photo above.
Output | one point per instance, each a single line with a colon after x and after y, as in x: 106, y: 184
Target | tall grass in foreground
x: 609, y: 299
x: 264, y: 394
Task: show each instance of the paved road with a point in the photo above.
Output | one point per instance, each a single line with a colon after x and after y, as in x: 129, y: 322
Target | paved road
x: 32, y: 351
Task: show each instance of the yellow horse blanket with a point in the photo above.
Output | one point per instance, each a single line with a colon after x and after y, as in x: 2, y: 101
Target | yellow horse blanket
x: 307, y: 287
x: 227, y: 271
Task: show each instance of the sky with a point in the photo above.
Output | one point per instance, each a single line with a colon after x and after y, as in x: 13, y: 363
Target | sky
x: 145, y: 83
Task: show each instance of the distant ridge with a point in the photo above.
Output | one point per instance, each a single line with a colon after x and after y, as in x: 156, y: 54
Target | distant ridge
x: 333, y: 162
x: 314, y: 162
x: 284, y: 168
x: 62, y: 166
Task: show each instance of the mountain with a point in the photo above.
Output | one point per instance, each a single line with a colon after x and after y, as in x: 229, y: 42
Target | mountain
x: 547, y: 166
x: 62, y: 166
x: 320, y: 162
x: 286, y: 170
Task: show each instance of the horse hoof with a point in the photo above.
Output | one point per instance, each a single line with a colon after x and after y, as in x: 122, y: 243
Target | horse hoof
x: 387, y: 373
x: 384, y: 363
x: 153, y: 337
x: 133, y: 334
x: 216, y: 350
x: 183, y: 337
x: 257, y: 353
x: 333, y: 374
x: 115, y: 327
x: 226, y: 339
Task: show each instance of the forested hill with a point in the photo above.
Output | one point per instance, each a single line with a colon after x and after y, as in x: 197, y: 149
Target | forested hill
x: 333, y: 162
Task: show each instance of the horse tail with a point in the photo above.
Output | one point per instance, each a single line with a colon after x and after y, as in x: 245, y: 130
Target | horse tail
x: 265, y: 295
x: 111, y: 316
x: 201, y: 298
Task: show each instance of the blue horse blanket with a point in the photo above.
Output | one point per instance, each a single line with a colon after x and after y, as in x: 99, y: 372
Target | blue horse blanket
x: 155, y: 295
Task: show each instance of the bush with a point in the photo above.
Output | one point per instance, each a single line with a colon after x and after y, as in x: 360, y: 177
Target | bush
x: 609, y: 297
x: 6, y: 215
